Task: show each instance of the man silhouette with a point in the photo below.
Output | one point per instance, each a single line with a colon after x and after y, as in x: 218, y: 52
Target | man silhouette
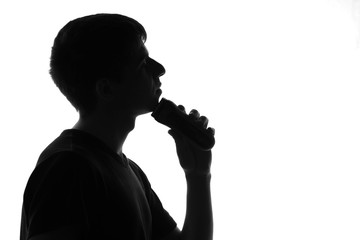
x: 83, y: 186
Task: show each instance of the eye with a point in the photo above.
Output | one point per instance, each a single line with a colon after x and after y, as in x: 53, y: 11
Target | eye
x: 147, y: 63
x: 143, y: 63
x: 146, y: 60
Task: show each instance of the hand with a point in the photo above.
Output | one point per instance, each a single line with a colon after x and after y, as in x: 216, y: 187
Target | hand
x: 192, y: 159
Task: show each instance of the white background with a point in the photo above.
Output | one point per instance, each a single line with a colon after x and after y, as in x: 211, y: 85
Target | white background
x: 279, y: 80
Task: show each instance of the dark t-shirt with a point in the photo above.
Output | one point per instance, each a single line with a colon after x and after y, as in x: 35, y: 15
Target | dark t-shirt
x: 81, y: 185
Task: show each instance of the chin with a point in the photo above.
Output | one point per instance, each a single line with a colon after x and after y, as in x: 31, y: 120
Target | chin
x: 154, y: 104
x: 149, y: 107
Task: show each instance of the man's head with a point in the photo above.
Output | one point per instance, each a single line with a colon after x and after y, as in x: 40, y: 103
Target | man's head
x: 91, y: 48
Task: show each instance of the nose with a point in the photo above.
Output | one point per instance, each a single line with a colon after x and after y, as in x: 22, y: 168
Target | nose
x: 161, y: 70
x: 158, y: 69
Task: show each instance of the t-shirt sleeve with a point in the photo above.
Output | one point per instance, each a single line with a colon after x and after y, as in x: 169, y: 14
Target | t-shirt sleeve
x: 162, y: 222
x: 57, y: 195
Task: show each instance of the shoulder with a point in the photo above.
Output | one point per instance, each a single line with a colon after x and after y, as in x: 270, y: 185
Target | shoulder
x: 65, y: 162
x: 58, y: 190
x: 139, y: 172
x: 135, y: 167
x: 61, y: 171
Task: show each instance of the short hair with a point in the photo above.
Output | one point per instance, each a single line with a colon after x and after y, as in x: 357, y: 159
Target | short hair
x: 90, y: 48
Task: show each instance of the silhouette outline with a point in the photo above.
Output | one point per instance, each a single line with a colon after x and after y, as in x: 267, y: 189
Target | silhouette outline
x: 83, y: 185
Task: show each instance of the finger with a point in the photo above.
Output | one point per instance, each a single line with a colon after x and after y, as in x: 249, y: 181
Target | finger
x: 173, y: 133
x: 211, y: 130
x: 182, y: 108
x: 203, y: 121
x: 194, y: 114
x: 178, y: 137
x: 182, y: 140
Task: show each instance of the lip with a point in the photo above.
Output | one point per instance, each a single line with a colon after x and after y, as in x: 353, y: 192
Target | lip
x: 158, y: 92
x: 158, y: 83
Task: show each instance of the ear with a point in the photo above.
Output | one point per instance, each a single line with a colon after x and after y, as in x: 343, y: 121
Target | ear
x: 104, y: 88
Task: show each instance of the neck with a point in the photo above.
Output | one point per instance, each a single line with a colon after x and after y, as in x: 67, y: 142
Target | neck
x: 111, y: 130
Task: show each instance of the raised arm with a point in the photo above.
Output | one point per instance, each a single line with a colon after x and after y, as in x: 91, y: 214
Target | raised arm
x: 196, y: 165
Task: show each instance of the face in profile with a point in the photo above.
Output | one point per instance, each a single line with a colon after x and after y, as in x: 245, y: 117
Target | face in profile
x: 141, y: 86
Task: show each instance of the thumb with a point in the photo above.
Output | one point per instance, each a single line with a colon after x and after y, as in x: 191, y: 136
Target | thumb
x: 180, y: 138
x: 176, y: 135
